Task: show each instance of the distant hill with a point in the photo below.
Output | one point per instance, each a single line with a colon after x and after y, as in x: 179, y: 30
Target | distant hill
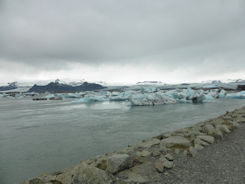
x: 56, y: 87
x: 9, y: 87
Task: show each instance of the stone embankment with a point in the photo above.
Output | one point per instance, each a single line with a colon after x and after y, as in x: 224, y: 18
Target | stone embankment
x: 149, y: 160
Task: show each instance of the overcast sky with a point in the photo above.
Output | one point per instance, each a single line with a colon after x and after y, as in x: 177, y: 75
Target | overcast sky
x: 122, y: 41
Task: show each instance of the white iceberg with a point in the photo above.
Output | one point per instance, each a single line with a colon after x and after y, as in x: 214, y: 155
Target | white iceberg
x: 222, y: 94
x: 148, y: 89
x: 49, y: 96
x: 90, y: 98
x: 71, y: 95
x: 238, y: 95
x: 123, y: 96
x: 149, y: 99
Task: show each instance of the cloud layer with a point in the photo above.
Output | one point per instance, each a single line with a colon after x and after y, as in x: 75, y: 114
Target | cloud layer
x: 188, y: 39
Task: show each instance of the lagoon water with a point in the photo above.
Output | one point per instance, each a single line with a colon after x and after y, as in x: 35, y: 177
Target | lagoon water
x: 41, y: 137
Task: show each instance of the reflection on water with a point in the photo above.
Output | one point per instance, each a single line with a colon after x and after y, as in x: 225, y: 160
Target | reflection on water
x: 38, y: 137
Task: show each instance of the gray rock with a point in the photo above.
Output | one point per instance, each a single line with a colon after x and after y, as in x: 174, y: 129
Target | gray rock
x: 166, y: 163
x: 36, y: 181
x: 200, y: 142
x: 148, y: 144
x: 169, y: 157
x: 175, y: 141
x: 206, y: 138
x: 209, y: 129
x: 84, y: 173
x: 118, y: 162
x: 159, y: 166
x: 155, y: 152
x: 218, y: 133
x: 223, y: 128
x: 198, y: 147
x: 143, y: 153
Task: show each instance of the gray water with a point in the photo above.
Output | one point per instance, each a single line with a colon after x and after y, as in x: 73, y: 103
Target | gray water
x: 41, y: 137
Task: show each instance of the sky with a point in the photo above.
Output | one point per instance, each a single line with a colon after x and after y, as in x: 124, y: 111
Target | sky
x: 122, y: 41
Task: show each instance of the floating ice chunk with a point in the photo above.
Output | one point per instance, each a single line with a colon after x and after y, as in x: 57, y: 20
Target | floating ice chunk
x: 208, y: 97
x: 238, y: 95
x: 149, y: 89
x: 150, y: 99
x: 49, y: 96
x: 71, y: 95
x: 222, y: 94
x: 123, y: 96
x: 90, y: 98
x: 1, y: 96
x: 190, y: 92
x: 115, y: 93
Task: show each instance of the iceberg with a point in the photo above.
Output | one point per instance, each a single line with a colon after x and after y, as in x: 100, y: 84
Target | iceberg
x: 238, y: 95
x: 209, y: 97
x: 90, y: 98
x: 49, y: 96
x: 148, y: 89
x: 222, y: 94
x: 150, y: 99
x: 123, y: 96
x: 71, y: 95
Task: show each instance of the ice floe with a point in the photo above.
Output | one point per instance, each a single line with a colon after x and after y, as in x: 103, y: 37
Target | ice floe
x: 238, y: 95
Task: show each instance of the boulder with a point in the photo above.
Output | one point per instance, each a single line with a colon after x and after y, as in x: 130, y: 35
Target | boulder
x: 101, y: 164
x: 198, y: 147
x: 155, y: 152
x: 218, y: 133
x: 36, y: 181
x: 159, y: 166
x: 209, y: 129
x: 175, y: 141
x: 206, y: 138
x: 240, y: 119
x: 84, y: 173
x: 223, y: 128
x: 148, y: 144
x: 169, y: 157
x: 143, y: 153
x: 118, y: 162
x: 166, y: 163
x: 198, y: 141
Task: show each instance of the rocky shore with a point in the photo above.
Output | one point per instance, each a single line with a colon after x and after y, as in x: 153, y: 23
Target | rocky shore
x: 164, y: 158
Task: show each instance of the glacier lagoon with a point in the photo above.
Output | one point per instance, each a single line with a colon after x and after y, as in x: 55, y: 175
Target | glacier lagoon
x: 41, y: 137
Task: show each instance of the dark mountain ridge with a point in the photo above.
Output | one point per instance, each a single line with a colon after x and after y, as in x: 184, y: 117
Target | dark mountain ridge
x: 9, y: 87
x: 56, y: 87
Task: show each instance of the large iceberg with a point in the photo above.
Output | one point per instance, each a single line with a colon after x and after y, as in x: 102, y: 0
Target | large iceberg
x: 121, y: 96
x: 238, y: 95
x: 150, y: 99
x: 90, y: 98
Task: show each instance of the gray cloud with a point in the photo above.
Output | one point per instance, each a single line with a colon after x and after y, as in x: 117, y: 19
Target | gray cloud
x: 169, y: 33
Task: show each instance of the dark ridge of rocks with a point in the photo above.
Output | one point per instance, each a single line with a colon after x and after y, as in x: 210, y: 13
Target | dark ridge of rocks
x: 56, y: 87
x: 9, y: 87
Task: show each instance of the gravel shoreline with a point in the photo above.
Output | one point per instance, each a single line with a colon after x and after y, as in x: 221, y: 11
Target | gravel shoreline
x: 208, y: 152
x: 221, y: 162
